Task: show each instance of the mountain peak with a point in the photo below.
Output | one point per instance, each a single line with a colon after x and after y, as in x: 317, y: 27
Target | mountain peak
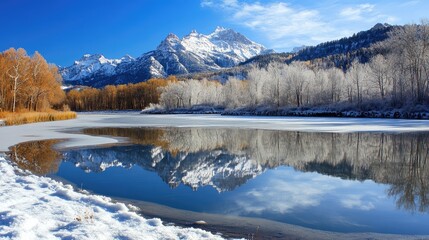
x: 88, y: 56
x: 229, y: 35
x: 380, y: 26
x: 193, y: 33
x: 219, y: 29
x: 172, y: 36
x: 127, y: 58
x: 169, y: 43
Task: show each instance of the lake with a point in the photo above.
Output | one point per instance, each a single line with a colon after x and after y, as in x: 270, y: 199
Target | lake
x: 341, y: 182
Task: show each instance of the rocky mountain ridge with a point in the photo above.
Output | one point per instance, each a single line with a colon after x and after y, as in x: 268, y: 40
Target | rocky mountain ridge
x: 193, y: 53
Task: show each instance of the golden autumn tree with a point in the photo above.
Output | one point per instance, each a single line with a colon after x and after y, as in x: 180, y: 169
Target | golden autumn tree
x: 121, y: 97
x: 44, y: 84
x: 17, y: 63
x: 28, y: 83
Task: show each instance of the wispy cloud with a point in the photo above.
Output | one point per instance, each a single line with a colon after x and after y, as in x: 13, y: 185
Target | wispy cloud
x: 285, y: 25
x: 275, y: 20
x: 357, y: 12
x: 410, y: 3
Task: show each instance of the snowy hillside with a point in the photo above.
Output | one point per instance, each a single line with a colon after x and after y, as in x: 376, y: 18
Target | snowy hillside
x: 92, y: 65
x: 195, y: 52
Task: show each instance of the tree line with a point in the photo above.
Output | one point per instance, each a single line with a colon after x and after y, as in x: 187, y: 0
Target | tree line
x: 28, y: 83
x: 120, y: 97
x: 396, y: 79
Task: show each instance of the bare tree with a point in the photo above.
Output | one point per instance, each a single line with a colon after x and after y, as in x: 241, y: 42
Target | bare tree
x: 410, y: 44
x: 358, y: 76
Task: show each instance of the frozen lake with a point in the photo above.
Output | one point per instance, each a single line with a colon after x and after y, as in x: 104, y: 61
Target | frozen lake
x: 330, y: 174
x: 341, y: 182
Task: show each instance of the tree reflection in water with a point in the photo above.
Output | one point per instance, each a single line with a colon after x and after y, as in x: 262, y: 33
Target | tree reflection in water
x: 38, y: 157
x: 400, y: 160
x: 410, y: 177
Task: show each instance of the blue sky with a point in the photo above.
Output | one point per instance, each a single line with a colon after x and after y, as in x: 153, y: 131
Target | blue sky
x: 63, y: 30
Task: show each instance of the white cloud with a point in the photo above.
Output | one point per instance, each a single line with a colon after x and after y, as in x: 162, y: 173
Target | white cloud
x: 357, y: 12
x: 410, y: 3
x: 207, y: 3
x: 276, y: 20
x: 222, y: 3
x: 285, y: 25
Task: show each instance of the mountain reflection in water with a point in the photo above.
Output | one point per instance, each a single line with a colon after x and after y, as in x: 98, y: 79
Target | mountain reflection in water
x: 228, y: 158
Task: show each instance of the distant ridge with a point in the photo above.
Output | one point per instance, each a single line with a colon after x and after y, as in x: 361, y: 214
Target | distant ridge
x: 339, y: 53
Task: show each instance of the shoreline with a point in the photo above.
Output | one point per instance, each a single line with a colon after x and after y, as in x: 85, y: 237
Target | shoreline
x: 306, y: 112
x: 247, y: 227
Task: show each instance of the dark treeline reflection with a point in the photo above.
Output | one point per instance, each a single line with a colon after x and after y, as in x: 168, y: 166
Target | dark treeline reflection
x: 227, y: 158
x: 38, y: 156
x: 400, y: 160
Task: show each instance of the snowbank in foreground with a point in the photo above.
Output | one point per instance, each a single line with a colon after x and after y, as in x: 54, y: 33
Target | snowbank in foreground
x: 35, y: 207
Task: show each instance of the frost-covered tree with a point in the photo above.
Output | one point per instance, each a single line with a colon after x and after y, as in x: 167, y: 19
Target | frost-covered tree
x: 256, y: 77
x: 357, y: 77
x: 409, y: 45
x: 336, y: 84
x: 173, y: 95
x: 299, y: 77
x: 380, y: 79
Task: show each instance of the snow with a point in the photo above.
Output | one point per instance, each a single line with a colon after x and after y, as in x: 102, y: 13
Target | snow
x: 93, y: 64
x: 221, y: 41
x: 222, y: 48
x: 41, y: 208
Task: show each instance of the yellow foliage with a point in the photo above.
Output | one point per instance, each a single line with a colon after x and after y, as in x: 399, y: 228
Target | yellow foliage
x: 32, y: 117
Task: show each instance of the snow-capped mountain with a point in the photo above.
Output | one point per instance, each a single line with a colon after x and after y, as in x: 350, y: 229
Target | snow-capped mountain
x: 92, y: 65
x: 195, y: 52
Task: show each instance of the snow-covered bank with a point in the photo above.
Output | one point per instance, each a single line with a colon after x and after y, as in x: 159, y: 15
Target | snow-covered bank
x: 293, y: 112
x: 35, y: 207
x: 156, y: 109
x: 315, y: 112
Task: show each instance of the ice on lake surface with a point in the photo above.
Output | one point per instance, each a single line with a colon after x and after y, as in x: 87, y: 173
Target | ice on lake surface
x: 344, y: 182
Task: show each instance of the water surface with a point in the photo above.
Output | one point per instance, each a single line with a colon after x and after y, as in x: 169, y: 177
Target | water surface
x: 348, y: 182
